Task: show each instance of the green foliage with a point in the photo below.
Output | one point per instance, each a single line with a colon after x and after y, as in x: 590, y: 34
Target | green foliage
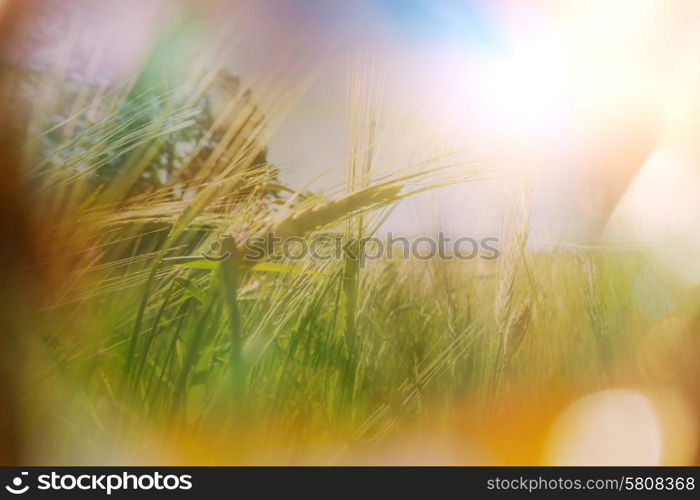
x: 334, y: 349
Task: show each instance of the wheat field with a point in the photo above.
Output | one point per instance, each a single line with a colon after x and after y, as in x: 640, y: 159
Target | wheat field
x: 124, y: 345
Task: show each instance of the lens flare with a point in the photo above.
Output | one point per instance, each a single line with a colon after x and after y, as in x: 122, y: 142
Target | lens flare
x: 614, y: 427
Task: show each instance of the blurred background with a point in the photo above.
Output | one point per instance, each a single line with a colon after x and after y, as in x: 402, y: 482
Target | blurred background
x: 578, y: 96
x: 588, y: 106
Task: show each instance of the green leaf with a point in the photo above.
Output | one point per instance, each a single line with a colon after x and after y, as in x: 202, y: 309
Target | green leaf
x: 193, y: 262
x: 275, y: 267
x: 193, y: 289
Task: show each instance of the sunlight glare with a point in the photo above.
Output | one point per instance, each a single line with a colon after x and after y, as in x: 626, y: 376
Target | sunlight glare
x: 613, y: 427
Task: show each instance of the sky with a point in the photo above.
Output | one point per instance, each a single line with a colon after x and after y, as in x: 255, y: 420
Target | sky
x: 589, y: 102
x: 437, y: 65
